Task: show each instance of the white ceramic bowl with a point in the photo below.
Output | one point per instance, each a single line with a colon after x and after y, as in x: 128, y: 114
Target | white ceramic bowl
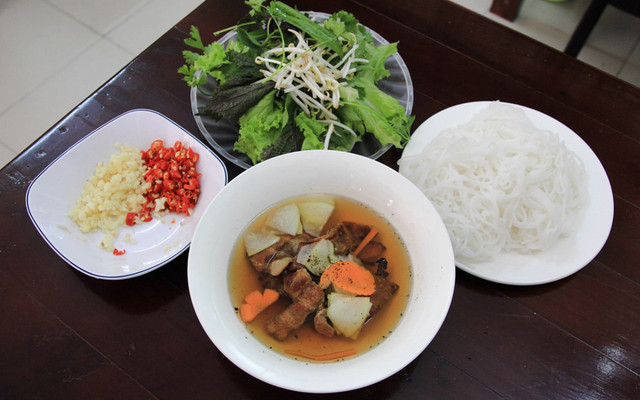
x: 348, y: 175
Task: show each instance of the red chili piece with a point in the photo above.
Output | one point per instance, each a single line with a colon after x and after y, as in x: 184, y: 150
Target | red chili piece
x: 117, y: 252
x: 173, y: 175
x: 131, y: 218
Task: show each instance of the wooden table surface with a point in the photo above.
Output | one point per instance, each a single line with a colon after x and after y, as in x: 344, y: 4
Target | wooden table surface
x: 66, y: 335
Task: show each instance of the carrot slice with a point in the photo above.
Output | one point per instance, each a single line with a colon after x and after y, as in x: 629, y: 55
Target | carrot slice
x: 372, y: 233
x: 323, y: 357
x: 350, y: 277
x: 256, y: 302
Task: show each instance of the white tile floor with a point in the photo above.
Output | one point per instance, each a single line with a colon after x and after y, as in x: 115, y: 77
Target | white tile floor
x: 56, y: 52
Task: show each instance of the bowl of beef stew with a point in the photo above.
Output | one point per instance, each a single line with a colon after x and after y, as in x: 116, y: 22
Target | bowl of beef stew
x: 321, y: 271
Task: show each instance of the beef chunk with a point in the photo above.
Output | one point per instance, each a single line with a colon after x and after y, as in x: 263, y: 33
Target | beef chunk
x: 287, y: 246
x: 371, y: 252
x: 296, y: 283
x: 346, y: 237
x: 306, y: 296
x: 384, y: 291
x: 321, y: 323
x: 291, y: 247
x: 260, y: 261
x: 269, y: 281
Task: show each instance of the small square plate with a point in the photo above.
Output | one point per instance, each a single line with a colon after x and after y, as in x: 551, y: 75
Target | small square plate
x: 53, y: 193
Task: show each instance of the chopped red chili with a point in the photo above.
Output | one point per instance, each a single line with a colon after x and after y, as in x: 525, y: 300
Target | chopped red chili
x: 173, y: 176
x: 117, y: 252
x: 131, y: 218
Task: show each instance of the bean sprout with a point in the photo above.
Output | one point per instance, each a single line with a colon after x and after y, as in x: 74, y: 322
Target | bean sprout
x: 310, y: 78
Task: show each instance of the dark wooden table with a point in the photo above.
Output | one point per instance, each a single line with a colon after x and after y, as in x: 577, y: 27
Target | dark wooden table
x: 66, y: 335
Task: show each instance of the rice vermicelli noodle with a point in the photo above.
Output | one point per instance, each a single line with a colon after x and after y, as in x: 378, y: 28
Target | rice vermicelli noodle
x: 500, y: 184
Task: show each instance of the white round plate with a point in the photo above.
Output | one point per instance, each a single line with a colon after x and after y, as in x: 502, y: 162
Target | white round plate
x: 52, y: 194
x: 331, y: 172
x: 569, y: 254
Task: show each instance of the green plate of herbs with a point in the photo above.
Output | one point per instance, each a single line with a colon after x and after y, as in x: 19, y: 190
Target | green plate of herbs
x: 283, y: 80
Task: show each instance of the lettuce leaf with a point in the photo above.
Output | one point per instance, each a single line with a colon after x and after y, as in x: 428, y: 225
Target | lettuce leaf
x: 345, y: 24
x: 375, y: 70
x: 261, y: 126
x: 365, y: 108
x: 315, y: 132
x: 290, y: 139
x: 377, y: 113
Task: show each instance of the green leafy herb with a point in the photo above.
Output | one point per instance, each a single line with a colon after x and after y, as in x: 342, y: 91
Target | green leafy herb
x: 290, y: 139
x: 261, y: 126
x: 212, y: 56
x: 234, y: 101
x: 379, y: 114
x: 240, y: 69
x: 315, y: 133
x: 292, y: 16
x: 292, y: 83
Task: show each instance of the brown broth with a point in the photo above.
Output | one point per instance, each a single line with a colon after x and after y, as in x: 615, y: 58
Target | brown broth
x: 243, y: 279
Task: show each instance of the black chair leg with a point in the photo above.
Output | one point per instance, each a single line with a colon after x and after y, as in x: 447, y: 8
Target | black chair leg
x: 582, y: 32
